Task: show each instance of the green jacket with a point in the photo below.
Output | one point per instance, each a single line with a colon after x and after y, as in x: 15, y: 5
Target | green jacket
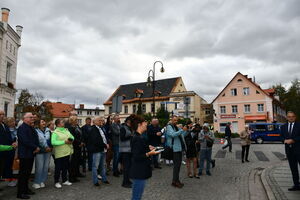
x: 58, y: 138
x: 6, y: 148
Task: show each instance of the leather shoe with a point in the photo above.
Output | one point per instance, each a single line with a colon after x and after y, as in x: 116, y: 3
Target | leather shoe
x: 294, y: 188
x: 30, y: 192
x: 127, y: 186
x: 23, y: 196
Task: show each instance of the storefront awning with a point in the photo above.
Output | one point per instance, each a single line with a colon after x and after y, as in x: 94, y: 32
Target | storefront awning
x: 255, y: 117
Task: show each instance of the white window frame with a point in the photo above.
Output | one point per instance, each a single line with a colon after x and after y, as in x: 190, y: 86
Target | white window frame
x: 233, y: 110
x: 246, y: 106
x: 246, y: 91
x: 223, y: 109
x: 259, y: 106
x: 233, y: 92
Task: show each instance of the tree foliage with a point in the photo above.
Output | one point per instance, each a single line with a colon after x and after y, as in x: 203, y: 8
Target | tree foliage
x: 290, y: 97
x: 28, y: 102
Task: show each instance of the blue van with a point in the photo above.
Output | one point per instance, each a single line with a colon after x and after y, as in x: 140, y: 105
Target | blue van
x: 262, y: 132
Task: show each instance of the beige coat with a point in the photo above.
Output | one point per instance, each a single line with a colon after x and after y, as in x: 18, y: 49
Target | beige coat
x: 245, y: 138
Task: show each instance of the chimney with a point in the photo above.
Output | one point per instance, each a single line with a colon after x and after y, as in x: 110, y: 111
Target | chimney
x: 81, y: 106
x: 5, y: 14
x: 19, y: 30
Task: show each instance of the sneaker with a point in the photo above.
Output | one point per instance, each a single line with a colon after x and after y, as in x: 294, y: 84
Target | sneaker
x: 36, y: 186
x: 12, y: 184
x: 43, y: 185
x: 99, y: 177
x: 58, y: 185
x: 67, y: 183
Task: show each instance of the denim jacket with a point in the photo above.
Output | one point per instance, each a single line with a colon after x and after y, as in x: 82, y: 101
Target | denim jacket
x: 171, y: 133
x: 44, y: 138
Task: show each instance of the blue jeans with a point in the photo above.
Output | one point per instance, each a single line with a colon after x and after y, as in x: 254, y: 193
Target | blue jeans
x: 138, y: 187
x: 155, y: 160
x: 116, y: 158
x: 205, y: 154
x: 41, y: 167
x: 99, y: 161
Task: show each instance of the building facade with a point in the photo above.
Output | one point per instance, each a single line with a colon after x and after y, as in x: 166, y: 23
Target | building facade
x: 10, y: 41
x: 169, y: 94
x: 83, y: 113
x: 242, y: 102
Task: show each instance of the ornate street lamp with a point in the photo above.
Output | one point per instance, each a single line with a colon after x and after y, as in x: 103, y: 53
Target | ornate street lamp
x: 151, y: 81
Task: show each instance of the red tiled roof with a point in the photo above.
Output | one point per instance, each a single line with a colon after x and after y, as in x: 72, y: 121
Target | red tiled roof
x: 61, y: 110
x: 270, y: 91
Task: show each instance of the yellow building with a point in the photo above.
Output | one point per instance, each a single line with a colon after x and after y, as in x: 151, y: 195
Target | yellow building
x: 170, y: 94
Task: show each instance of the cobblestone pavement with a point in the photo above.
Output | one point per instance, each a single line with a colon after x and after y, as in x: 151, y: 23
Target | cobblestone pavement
x: 229, y: 180
x: 278, y: 180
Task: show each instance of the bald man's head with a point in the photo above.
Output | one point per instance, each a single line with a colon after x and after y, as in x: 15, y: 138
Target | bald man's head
x: 28, y: 119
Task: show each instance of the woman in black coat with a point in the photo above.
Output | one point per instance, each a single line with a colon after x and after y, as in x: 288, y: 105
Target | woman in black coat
x: 140, y: 169
x: 191, y: 152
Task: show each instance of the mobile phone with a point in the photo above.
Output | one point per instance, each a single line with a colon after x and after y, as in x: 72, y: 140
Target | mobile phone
x: 160, y: 150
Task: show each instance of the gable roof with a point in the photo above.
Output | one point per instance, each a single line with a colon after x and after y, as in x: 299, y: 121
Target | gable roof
x: 250, y: 80
x: 164, y: 87
x: 60, y: 110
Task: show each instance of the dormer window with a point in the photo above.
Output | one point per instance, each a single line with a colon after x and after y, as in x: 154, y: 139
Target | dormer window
x: 157, y: 93
x: 139, y: 93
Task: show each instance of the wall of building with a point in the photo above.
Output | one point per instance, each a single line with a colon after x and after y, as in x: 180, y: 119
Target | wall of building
x: 253, y: 99
x: 8, y: 55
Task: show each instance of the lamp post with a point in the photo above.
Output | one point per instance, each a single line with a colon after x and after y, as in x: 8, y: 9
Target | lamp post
x: 151, y: 81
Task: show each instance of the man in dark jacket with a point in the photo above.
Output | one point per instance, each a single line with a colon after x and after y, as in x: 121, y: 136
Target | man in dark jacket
x: 154, y: 139
x: 28, y: 147
x: 86, y: 129
x: 115, y: 133
x: 291, y: 134
x: 5, y: 139
x: 228, y: 137
x: 97, y: 144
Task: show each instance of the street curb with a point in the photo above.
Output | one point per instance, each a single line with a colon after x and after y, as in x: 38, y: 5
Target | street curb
x: 266, y: 185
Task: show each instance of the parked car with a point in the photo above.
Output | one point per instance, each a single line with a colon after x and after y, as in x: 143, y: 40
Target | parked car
x: 262, y: 132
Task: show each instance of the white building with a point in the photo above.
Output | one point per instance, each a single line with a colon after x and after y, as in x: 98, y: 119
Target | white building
x: 83, y: 113
x: 10, y: 41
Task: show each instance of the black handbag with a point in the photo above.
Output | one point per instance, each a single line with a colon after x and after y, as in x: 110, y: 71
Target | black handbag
x: 209, y: 143
x: 168, y: 152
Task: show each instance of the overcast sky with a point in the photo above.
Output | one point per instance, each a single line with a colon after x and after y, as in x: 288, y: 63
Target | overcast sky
x: 74, y: 50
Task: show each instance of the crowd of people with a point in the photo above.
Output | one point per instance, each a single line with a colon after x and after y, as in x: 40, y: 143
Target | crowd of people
x: 129, y: 150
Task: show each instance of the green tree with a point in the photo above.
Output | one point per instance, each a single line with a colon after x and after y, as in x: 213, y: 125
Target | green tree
x: 163, y: 116
x: 290, y: 97
x: 28, y: 102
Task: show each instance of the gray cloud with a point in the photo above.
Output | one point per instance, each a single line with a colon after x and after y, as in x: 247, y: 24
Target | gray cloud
x: 81, y: 51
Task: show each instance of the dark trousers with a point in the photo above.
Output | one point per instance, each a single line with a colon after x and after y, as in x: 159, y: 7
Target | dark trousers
x: 61, y: 168
x: 8, y: 172
x: 83, y: 159
x: 177, y: 159
x: 229, y: 144
x: 126, y: 161
x: 90, y: 161
x: 116, y: 158
x: 24, y: 175
x: 154, y: 159
x: 2, y: 164
x: 74, y: 164
x: 245, y: 148
x: 294, y: 160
